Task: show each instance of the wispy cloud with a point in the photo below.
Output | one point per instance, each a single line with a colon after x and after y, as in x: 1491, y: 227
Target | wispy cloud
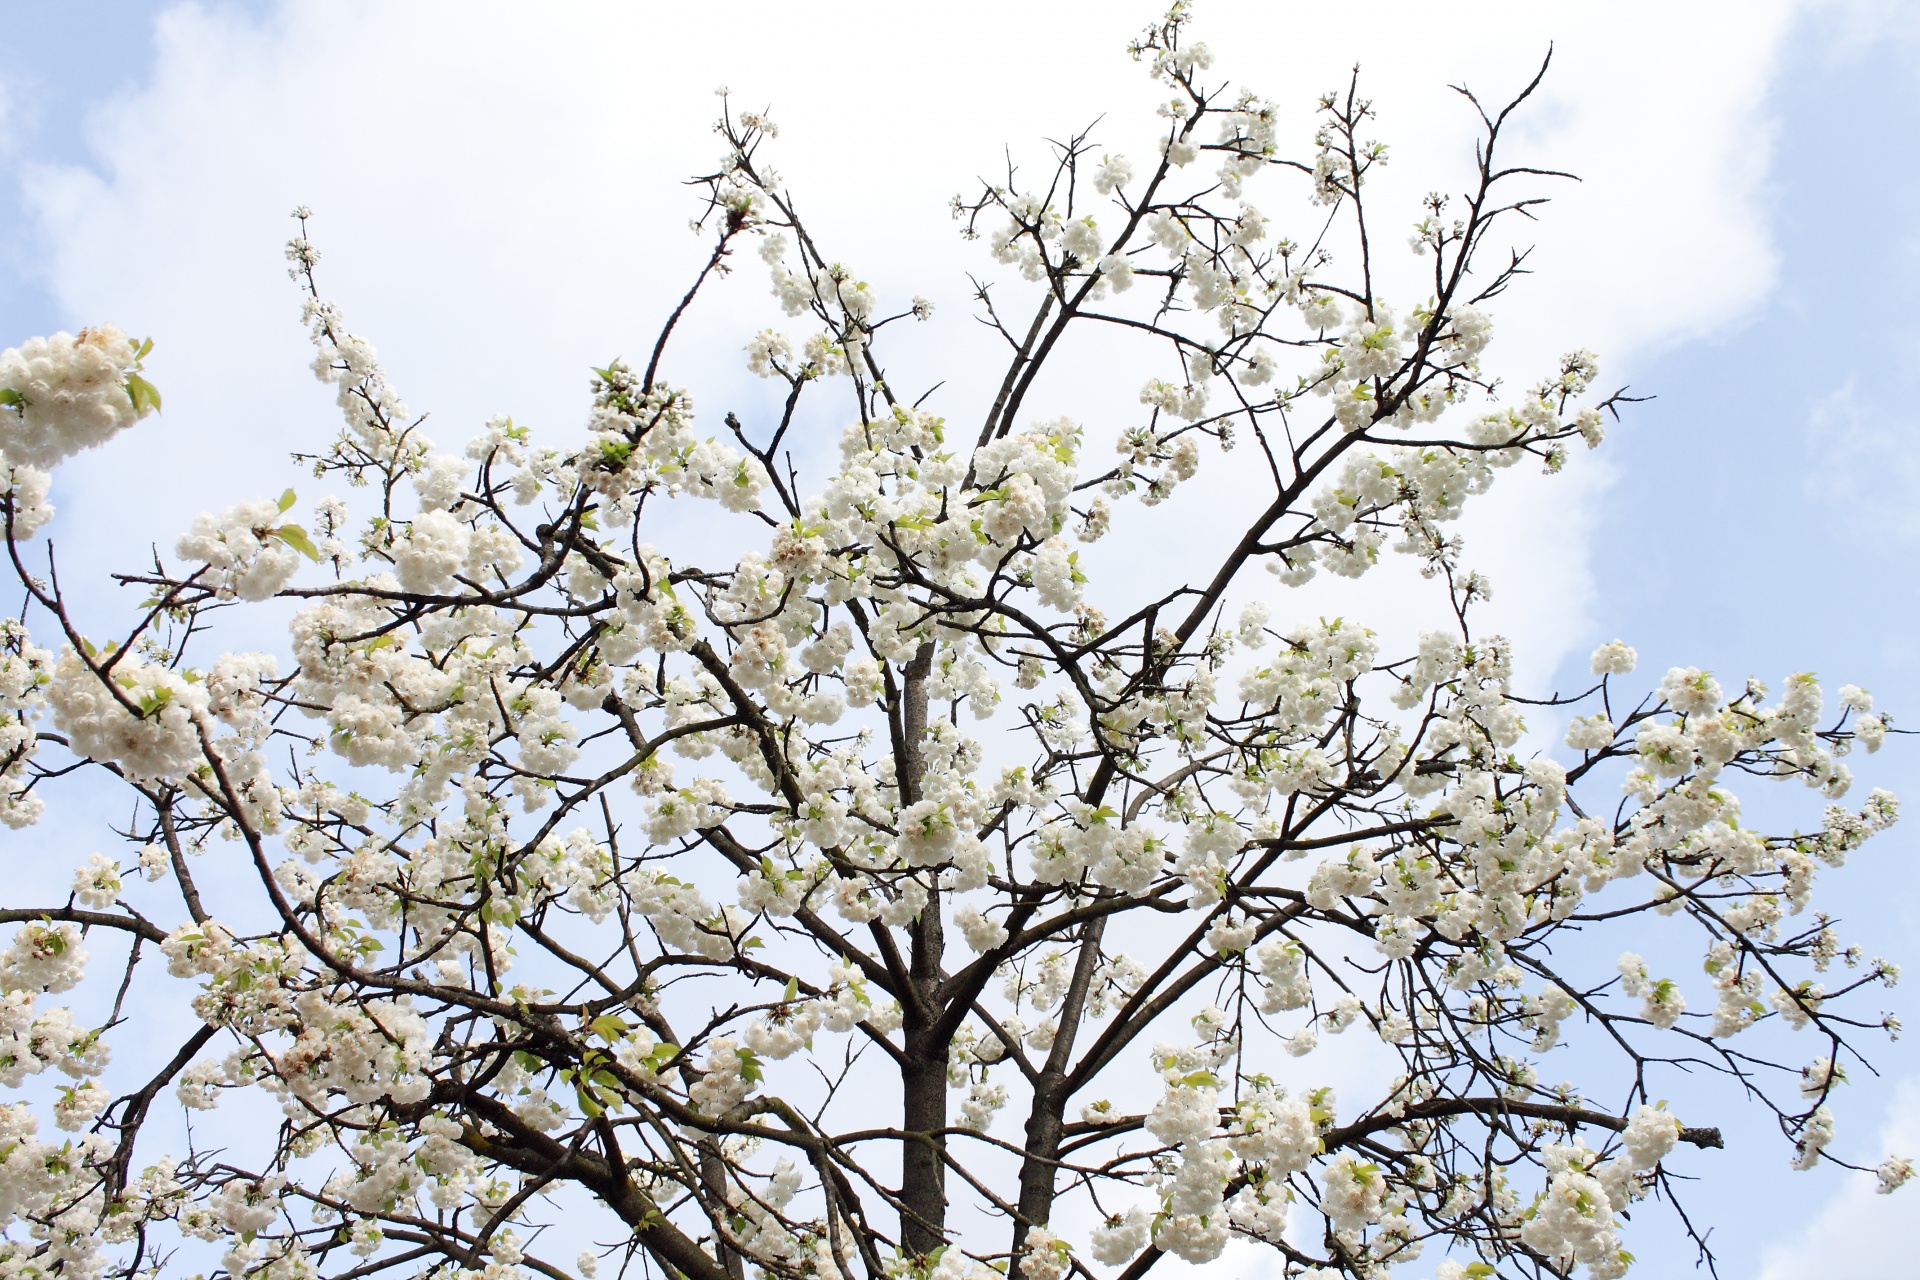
x: 1860, y: 1234
x: 499, y: 198
x: 1864, y: 460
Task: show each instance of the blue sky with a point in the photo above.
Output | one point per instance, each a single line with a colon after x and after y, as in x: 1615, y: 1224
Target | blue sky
x: 1758, y: 515
x: 1763, y: 512
x: 51, y: 85
x: 1764, y: 516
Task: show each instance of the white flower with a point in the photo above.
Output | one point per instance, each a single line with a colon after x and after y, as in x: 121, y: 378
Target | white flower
x: 1120, y: 1238
x: 199, y: 1086
x: 1690, y: 690
x: 28, y: 488
x: 98, y: 883
x: 1352, y: 1193
x: 769, y: 353
x: 1814, y: 1138
x: 1046, y: 1255
x: 1649, y: 1136
x: 1274, y: 1130
x: 1188, y: 1113
x: 243, y: 547
x: 1574, y: 1219
x: 430, y: 552
x: 79, y: 1103
x: 439, y: 480
x: 153, y: 861
x: 66, y: 393
x: 1114, y: 172
x: 980, y: 1104
x: 1616, y: 657
x: 146, y: 721
x: 1590, y: 733
x: 981, y: 933
x: 43, y: 957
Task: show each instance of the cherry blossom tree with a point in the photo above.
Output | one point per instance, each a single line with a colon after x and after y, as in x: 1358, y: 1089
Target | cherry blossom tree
x: 862, y: 898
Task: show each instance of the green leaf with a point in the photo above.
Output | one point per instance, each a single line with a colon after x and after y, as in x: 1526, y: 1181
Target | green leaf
x: 1479, y: 1271
x: 8, y: 396
x: 750, y: 1066
x: 608, y: 1027
x: 296, y: 537
x: 286, y: 501
x: 793, y: 989
x: 145, y: 396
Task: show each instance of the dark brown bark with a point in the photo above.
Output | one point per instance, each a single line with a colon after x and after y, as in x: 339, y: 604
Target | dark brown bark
x: 1046, y: 1121
x: 535, y: 1153
x: 713, y: 1177
x: 923, y: 1076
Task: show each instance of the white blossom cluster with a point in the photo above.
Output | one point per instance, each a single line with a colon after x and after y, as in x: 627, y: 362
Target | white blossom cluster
x: 59, y: 396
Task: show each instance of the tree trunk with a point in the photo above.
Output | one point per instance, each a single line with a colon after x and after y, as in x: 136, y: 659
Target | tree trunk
x: 923, y: 1170
x: 713, y: 1176
x: 1050, y: 1095
x: 923, y: 1173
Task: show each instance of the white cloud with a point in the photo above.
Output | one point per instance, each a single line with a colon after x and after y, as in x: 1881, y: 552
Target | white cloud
x: 498, y: 194
x: 1864, y: 464
x: 1860, y: 1234
x: 1850, y: 27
